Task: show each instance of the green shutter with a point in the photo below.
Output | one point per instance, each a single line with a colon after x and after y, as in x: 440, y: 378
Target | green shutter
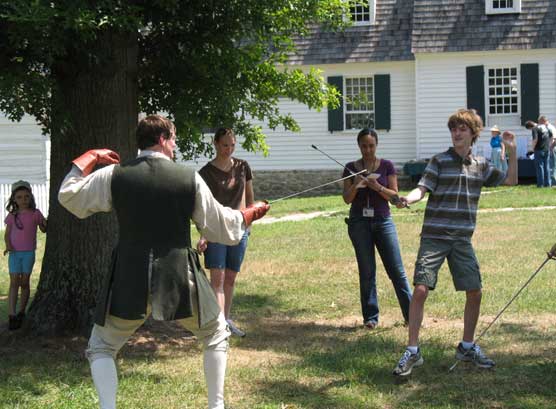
x: 529, y: 92
x: 382, y: 102
x: 336, y: 115
x: 476, y: 89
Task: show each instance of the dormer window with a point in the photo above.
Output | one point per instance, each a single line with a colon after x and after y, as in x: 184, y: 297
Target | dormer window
x: 502, y: 6
x: 363, y: 12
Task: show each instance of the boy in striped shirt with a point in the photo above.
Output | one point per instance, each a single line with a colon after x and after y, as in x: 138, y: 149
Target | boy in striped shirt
x: 454, y: 179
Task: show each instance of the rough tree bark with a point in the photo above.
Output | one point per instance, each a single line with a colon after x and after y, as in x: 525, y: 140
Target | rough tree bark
x: 98, y: 110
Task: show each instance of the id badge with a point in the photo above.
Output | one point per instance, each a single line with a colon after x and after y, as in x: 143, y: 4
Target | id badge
x: 368, y: 212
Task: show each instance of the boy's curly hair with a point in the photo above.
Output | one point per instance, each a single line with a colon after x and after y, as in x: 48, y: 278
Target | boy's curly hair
x: 468, y: 117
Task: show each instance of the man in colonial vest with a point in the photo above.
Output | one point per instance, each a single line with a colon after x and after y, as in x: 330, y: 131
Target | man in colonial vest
x: 154, y: 269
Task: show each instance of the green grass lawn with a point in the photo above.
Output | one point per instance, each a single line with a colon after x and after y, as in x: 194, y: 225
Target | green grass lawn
x: 297, y: 298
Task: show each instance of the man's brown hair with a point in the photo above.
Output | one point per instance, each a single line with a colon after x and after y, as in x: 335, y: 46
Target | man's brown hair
x: 469, y: 118
x: 151, y: 128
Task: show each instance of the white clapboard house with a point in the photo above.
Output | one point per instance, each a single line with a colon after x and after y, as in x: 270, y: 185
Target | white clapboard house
x: 406, y: 65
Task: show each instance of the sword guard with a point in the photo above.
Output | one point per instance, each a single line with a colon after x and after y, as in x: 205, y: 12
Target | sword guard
x: 552, y: 253
x: 395, y: 199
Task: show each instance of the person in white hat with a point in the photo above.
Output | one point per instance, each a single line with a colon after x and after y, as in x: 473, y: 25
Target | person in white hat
x: 498, y: 153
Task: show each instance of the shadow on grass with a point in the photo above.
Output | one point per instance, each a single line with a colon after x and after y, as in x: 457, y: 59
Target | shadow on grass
x: 343, y: 367
x: 332, y: 366
x: 255, y: 305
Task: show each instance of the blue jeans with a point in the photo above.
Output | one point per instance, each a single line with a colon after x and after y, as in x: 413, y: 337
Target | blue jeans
x: 552, y: 164
x: 542, y: 169
x: 366, y: 233
x: 497, y: 161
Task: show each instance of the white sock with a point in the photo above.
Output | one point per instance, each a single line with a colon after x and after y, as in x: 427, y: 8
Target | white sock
x: 214, y: 360
x: 105, y: 378
x: 413, y: 349
x: 466, y: 345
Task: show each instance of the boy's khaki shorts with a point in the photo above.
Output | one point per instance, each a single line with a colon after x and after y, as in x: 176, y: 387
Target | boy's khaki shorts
x: 462, y: 262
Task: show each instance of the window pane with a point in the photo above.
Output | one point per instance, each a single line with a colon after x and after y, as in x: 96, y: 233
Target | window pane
x: 503, y: 90
x: 359, y: 102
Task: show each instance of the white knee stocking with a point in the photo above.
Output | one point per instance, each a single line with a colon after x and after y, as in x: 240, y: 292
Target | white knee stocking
x: 214, y: 360
x: 105, y: 379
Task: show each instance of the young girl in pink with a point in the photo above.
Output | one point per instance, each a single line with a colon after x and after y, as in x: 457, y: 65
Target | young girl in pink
x: 21, y: 241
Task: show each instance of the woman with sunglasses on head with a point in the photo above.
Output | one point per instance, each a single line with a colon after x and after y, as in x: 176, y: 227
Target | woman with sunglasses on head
x: 20, y: 238
x: 370, y: 226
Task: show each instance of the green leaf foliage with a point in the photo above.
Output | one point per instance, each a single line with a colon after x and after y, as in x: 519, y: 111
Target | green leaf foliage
x: 204, y: 63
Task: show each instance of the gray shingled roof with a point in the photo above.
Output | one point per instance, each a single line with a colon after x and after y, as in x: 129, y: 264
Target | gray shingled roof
x: 405, y: 27
x: 462, y: 25
x: 388, y: 39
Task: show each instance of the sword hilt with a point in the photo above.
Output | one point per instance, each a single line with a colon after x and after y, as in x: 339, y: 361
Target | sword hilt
x: 552, y: 253
x: 395, y: 199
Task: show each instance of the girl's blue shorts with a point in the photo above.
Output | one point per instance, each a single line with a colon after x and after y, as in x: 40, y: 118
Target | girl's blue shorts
x: 21, y: 262
x: 221, y: 256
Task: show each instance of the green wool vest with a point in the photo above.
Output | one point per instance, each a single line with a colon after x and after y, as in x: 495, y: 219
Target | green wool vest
x: 154, y: 199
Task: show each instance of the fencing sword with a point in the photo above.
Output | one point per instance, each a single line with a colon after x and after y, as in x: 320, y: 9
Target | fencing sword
x: 330, y: 157
x: 394, y: 199
x: 316, y: 187
x: 551, y: 255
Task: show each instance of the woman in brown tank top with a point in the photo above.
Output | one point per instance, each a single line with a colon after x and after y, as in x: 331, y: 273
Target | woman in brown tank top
x: 230, y: 181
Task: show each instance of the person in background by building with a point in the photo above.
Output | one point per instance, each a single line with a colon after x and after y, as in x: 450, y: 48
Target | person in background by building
x: 20, y: 238
x: 454, y: 180
x: 231, y: 182
x: 370, y: 226
x: 552, y: 150
x: 155, y: 270
x: 541, y: 140
x: 498, y: 150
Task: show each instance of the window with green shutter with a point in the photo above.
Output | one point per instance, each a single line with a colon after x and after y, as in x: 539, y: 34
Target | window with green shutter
x: 365, y: 103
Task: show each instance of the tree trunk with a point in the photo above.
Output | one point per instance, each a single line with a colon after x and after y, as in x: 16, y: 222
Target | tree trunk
x: 96, y: 107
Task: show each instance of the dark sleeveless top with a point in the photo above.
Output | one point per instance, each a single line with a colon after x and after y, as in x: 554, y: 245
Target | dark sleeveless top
x: 153, y: 199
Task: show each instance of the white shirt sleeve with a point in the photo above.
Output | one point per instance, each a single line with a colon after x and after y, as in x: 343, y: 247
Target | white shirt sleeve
x: 84, y: 196
x: 215, y: 222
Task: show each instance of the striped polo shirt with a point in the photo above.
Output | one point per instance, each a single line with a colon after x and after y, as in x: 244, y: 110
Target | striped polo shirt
x: 455, y: 187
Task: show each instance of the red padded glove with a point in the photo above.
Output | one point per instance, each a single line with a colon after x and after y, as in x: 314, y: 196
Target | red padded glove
x: 87, y: 162
x: 254, y: 212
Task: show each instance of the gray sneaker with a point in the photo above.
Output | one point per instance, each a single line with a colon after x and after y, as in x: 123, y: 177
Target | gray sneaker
x: 407, y: 362
x: 475, y: 355
x: 235, y: 330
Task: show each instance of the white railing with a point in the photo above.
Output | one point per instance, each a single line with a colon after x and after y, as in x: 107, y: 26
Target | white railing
x: 40, y: 191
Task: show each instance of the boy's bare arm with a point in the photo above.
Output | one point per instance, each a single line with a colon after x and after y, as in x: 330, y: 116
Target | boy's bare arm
x: 414, y: 196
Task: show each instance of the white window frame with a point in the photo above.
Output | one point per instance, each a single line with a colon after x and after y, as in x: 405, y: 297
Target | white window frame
x: 370, y: 112
x: 502, y: 119
x: 372, y: 14
x: 491, y: 7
